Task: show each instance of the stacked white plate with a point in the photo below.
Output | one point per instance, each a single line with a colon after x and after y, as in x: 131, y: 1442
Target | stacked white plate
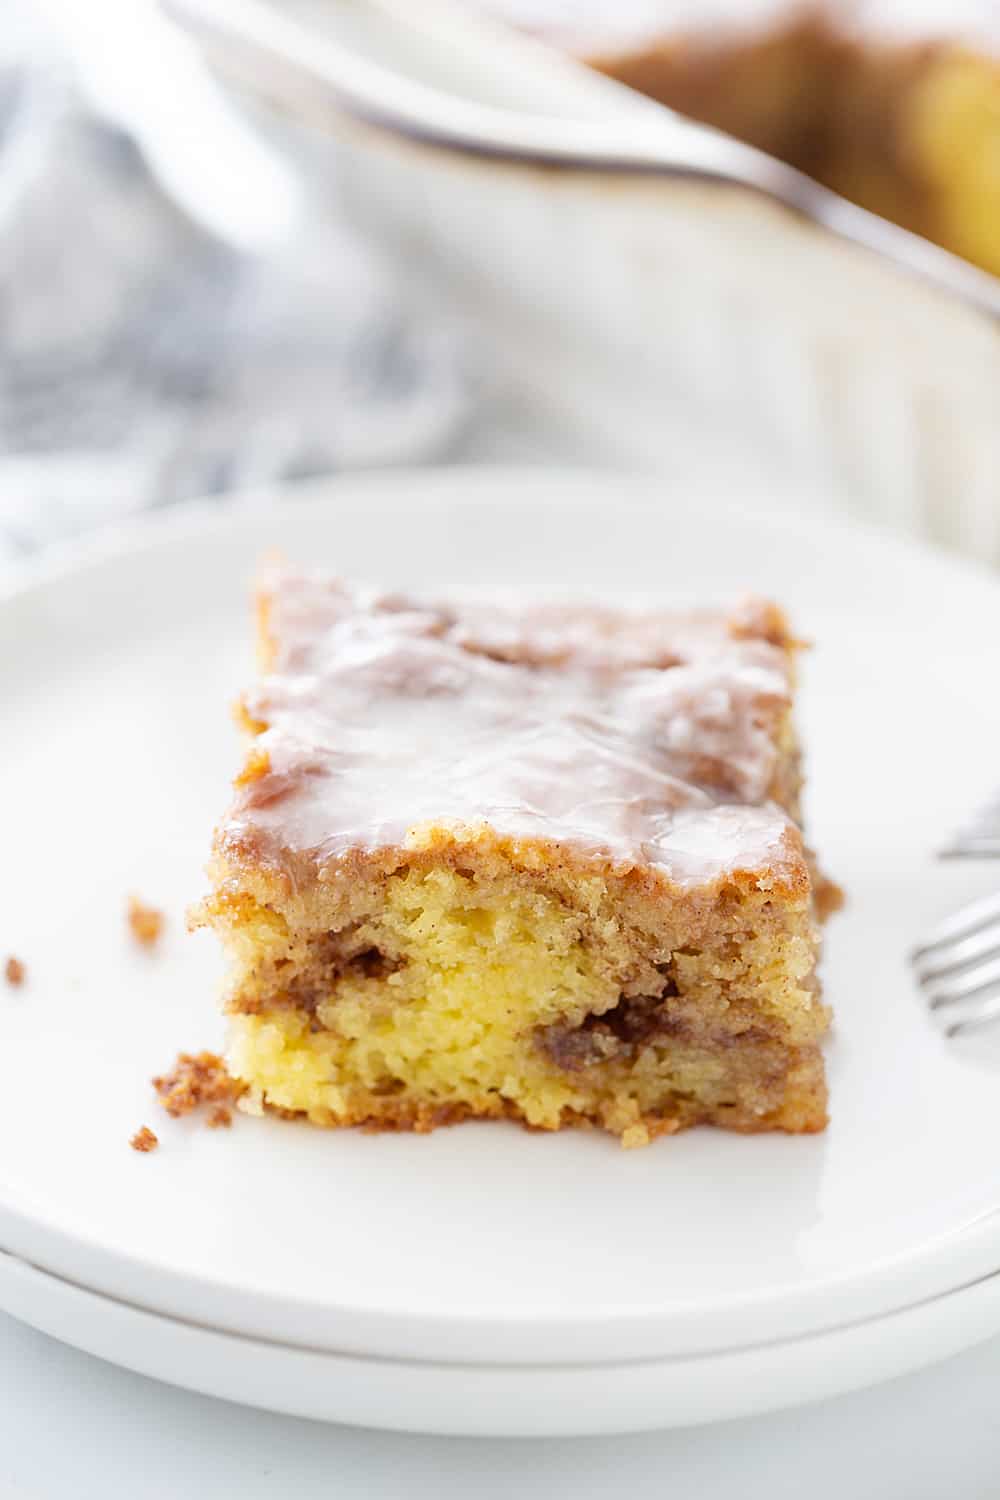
x: 485, y: 1280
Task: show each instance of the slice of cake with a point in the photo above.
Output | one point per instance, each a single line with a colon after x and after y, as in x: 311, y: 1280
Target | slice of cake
x: 539, y: 863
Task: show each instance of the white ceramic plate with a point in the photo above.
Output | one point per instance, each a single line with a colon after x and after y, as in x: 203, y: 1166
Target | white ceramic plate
x: 502, y: 1400
x: 482, y: 1244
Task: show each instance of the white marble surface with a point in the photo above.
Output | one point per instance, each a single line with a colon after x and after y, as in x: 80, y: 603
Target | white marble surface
x: 75, y: 1428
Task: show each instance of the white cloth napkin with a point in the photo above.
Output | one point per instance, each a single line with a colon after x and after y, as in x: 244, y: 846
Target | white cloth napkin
x: 143, y: 361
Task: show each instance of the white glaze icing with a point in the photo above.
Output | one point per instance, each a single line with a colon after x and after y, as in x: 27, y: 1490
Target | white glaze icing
x: 647, y: 739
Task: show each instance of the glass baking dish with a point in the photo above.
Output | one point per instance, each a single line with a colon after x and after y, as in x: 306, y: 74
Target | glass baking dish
x: 642, y: 305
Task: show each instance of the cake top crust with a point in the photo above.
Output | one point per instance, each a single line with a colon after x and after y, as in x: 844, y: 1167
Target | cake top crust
x: 593, y: 27
x: 645, y: 740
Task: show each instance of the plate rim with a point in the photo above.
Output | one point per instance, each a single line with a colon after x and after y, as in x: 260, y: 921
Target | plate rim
x: 939, y: 1268
x: 787, y: 1373
x: 146, y: 530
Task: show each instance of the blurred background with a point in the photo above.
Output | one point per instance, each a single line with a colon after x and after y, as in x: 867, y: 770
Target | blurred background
x: 250, y: 241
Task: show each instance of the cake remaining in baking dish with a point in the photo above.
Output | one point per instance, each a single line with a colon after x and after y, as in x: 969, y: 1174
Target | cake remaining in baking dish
x: 542, y: 863
x: 892, y: 103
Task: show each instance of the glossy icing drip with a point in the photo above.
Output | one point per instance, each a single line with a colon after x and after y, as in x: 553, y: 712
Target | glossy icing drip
x: 647, y: 739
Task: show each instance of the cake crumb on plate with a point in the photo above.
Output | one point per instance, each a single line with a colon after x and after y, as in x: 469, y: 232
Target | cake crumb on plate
x: 144, y: 1140
x: 14, y: 971
x: 146, y: 922
x: 196, y: 1079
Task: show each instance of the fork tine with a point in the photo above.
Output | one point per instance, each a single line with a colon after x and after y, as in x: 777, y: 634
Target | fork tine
x: 971, y: 846
x: 977, y: 981
x: 970, y: 919
x: 955, y: 957
x: 983, y: 1015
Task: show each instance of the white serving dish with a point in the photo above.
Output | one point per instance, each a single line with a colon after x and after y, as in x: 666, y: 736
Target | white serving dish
x: 484, y: 1248
x: 638, y: 307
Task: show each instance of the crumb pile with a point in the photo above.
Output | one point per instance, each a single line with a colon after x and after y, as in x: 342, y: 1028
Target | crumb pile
x: 199, y: 1081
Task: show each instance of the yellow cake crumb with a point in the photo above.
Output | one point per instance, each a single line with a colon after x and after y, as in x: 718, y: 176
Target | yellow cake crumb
x: 145, y: 922
x: 14, y: 971
x: 953, y: 122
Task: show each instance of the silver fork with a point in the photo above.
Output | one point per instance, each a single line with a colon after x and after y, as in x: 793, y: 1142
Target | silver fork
x: 958, y: 963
